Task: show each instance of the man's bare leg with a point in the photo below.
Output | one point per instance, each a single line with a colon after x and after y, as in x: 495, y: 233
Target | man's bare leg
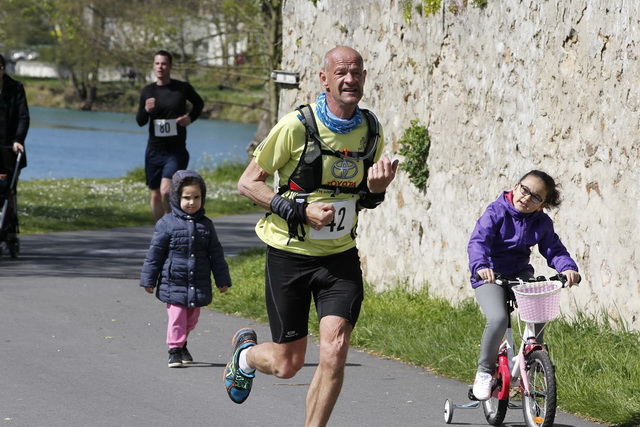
x: 160, y: 199
x: 280, y: 360
x: 335, y: 333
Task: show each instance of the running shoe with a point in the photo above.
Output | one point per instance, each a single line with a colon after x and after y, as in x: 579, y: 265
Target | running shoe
x: 186, y: 356
x: 175, y: 357
x: 482, y: 386
x: 238, y: 383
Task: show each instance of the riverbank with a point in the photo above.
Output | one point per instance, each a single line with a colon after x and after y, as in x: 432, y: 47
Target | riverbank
x: 242, y: 105
x: 55, y: 205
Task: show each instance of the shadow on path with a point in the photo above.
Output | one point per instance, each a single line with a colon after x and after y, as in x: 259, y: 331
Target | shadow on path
x: 114, y: 253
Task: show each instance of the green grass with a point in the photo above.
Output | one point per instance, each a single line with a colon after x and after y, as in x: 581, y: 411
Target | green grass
x: 54, y: 205
x: 597, y: 364
x: 600, y: 363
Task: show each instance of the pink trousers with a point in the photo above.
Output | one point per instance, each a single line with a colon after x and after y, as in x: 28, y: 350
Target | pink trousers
x: 182, y: 320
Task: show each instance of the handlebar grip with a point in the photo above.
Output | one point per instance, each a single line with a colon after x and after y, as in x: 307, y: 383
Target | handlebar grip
x: 498, y: 281
x: 563, y: 279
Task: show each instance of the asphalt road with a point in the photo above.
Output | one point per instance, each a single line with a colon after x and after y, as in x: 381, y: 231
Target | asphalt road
x: 82, y: 345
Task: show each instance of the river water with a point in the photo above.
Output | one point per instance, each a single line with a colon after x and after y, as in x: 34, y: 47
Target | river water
x: 87, y: 144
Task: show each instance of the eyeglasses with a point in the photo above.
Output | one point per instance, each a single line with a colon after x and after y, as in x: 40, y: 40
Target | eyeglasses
x: 527, y: 192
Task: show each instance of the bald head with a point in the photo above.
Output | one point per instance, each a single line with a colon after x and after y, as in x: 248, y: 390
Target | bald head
x: 339, y: 53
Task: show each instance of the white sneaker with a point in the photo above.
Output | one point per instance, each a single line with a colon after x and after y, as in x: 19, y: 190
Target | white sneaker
x: 482, y: 386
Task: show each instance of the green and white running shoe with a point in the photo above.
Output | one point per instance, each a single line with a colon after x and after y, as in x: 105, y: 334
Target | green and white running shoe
x: 238, y: 383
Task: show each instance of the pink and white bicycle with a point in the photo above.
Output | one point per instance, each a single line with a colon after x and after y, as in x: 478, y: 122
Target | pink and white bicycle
x: 531, y: 369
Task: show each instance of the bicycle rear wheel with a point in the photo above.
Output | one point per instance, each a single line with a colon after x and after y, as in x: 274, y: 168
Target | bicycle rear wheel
x: 539, y: 405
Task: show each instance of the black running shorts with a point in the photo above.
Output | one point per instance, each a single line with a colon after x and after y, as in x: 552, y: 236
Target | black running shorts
x: 163, y: 164
x: 334, y: 281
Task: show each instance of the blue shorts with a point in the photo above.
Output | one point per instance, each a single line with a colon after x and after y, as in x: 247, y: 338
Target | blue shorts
x: 334, y: 281
x: 160, y: 164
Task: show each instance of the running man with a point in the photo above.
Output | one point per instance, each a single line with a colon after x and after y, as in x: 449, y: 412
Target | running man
x: 163, y: 105
x: 310, y: 232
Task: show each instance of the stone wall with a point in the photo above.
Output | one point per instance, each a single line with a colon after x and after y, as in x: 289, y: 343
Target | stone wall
x: 519, y: 85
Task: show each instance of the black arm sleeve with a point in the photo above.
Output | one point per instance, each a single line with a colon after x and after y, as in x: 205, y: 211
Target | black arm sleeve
x: 197, y: 104
x: 370, y: 200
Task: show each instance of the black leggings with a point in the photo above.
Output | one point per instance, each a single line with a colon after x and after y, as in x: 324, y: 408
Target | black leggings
x: 491, y: 298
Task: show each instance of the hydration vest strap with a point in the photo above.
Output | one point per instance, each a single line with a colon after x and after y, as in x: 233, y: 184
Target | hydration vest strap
x: 307, y: 176
x: 308, y: 119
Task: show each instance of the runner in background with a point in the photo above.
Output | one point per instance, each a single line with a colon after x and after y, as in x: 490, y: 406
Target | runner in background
x: 163, y: 105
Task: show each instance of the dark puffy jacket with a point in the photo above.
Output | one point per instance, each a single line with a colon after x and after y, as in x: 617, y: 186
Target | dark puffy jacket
x: 184, y: 251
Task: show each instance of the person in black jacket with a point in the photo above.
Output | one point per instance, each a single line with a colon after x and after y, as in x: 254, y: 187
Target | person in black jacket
x: 14, y: 125
x: 163, y: 105
x: 184, y: 251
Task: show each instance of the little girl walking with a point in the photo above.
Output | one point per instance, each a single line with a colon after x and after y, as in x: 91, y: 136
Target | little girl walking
x: 501, y: 243
x: 184, y: 251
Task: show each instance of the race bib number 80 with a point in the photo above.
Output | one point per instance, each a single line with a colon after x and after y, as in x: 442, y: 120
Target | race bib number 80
x: 165, y: 127
x: 341, y: 224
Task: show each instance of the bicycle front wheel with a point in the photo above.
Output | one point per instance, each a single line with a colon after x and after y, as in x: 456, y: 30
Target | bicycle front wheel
x: 539, y: 405
x: 495, y: 410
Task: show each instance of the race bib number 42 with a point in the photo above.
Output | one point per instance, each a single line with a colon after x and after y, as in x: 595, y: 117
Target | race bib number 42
x: 165, y: 127
x: 341, y: 224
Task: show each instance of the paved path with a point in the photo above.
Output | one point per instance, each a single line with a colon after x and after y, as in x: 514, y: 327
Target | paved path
x: 82, y: 345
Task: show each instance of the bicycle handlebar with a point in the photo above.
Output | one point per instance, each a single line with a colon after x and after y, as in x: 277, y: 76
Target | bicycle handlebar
x: 502, y: 281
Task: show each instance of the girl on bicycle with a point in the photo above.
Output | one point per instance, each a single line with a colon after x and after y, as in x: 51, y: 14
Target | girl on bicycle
x: 501, y: 243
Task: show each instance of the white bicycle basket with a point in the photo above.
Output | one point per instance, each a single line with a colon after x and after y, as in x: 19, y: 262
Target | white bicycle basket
x: 538, y: 302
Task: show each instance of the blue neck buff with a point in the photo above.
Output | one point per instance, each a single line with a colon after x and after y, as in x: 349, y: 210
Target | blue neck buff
x: 333, y: 122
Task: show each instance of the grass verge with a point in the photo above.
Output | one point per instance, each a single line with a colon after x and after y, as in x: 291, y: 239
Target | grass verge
x: 597, y: 364
x: 54, y: 205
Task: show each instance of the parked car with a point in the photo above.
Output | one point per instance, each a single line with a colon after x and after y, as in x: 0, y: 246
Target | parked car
x: 23, y: 55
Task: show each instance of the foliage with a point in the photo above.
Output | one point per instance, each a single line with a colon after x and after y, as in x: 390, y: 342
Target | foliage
x: 430, y: 7
x: 427, y: 8
x: 424, y: 8
x: 588, y: 352
x: 221, y: 103
x: 22, y: 24
x: 481, y: 4
x: 406, y: 11
x: 84, y: 204
x: 458, y: 7
x: 415, y: 145
x: 86, y: 39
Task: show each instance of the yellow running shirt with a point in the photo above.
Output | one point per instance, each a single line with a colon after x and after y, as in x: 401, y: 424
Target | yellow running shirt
x: 280, y: 152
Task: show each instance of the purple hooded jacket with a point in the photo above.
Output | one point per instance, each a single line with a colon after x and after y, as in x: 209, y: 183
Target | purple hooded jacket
x: 503, y: 237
